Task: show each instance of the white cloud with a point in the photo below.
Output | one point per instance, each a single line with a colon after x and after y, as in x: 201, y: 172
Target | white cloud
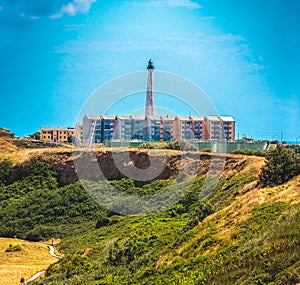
x: 23, y: 15
x: 174, y: 3
x: 68, y: 9
x: 232, y: 50
x: 73, y: 27
x: 73, y: 8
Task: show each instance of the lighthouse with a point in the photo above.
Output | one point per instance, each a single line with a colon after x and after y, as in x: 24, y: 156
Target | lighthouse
x: 150, y: 90
x: 149, y: 110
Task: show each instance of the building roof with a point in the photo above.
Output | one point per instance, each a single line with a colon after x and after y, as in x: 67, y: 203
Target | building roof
x: 93, y: 117
x: 120, y: 117
x: 183, y: 118
x: 167, y: 118
x: 197, y: 118
x: 137, y: 117
x: 108, y: 117
x: 227, y: 118
x: 213, y: 118
x: 57, y: 128
x: 152, y: 118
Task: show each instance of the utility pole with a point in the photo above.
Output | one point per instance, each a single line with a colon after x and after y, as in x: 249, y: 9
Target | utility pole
x: 281, y: 135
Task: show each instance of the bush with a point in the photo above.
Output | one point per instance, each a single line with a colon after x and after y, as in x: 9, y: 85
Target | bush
x: 12, y: 248
x: 249, y: 152
x: 146, y: 145
x: 102, y: 221
x: 70, y: 266
x: 199, y: 213
x: 181, y: 145
x: 282, y: 164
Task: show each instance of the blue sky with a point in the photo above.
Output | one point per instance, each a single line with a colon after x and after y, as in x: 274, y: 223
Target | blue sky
x: 243, y: 54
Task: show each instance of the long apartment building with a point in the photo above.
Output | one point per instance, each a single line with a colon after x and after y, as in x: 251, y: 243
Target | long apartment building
x: 98, y: 129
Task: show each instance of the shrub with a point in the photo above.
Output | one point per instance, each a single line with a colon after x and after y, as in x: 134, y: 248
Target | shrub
x: 282, y: 164
x: 146, y: 145
x: 12, y: 248
x: 102, y: 221
x: 199, y: 213
x: 181, y: 145
x: 249, y: 152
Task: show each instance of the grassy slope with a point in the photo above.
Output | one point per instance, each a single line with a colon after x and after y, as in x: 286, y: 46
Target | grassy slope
x: 253, y: 238
x: 33, y: 258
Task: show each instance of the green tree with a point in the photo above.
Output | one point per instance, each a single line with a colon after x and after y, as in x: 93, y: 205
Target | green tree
x: 282, y: 164
x: 35, y: 136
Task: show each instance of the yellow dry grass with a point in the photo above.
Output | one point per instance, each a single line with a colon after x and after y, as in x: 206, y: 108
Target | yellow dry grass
x: 33, y: 258
x: 8, y: 150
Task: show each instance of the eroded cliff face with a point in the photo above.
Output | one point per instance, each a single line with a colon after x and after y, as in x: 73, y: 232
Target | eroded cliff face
x: 144, y: 165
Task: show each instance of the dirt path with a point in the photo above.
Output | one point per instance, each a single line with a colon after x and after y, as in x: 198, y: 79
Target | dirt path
x: 38, y: 274
x: 51, y: 251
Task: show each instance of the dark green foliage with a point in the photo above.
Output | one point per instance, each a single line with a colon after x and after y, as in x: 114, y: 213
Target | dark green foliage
x: 146, y: 145
x: 102, y: 221
x: 70, y: 266
x: 124, y: 252
x: 265, y: 253
x: 249, y: 152
x: 35, y: 135
x: 174, y: 246
x: 12, y: 248
x: 206, y: 150
x: 34, y: 207
x: 5, y: 170
x: 41, y: 232
x: 282, y: 164
x: 130, y: 186
x: 200, y: 211
x: 181, y: 145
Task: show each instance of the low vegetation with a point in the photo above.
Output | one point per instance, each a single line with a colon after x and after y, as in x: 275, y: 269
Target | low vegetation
x: 182, y: 145
x: 13, y: 248
x: 242, y: 233
x: 249, y: 152
x: 282, y: 164
x: 35, y: 207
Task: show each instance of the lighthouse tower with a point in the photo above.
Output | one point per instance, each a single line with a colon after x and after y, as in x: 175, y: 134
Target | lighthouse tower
x: 150, y: 90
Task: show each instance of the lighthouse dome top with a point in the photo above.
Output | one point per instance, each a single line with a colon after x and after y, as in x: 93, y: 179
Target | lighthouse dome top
x: 150, y: 64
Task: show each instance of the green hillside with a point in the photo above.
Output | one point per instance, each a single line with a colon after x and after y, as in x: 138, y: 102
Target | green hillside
x: 242, y: 233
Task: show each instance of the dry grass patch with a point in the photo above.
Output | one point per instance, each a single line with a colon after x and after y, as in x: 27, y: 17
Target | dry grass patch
x: 33, y: 257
